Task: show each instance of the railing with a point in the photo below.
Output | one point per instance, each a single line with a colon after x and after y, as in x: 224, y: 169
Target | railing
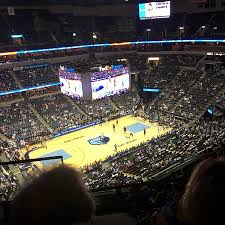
x: 20, y: 171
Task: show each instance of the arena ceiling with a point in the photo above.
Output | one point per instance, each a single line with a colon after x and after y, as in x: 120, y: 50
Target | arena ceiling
x: 177, y: 5
x: 74, y: 2
x: 64, y: 2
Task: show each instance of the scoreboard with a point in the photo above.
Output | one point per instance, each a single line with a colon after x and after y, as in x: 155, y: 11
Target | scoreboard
x: 110, y: 83
x: 106, y: 81
x: 70, y: 82
x: 154, y: 10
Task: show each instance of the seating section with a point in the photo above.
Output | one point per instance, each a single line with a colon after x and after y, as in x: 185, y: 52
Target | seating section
x: 166, y: 71
x: 98, y: 109
x: 8, y: 184
x: 180, y: 60
x: 159, y: 77
x: 10, y: 150
x: 189, y: 94
x: 36, y: 76
x: 137, y: 63
x: 58, y: 112
x: 202, y: 95
x: 7, y: 82
x: 151, y: 159
x: 176, y: 90
x: 19, y: 123
x: 127, y: 102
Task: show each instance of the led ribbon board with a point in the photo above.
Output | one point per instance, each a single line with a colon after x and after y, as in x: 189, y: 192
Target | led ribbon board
x: 21, y: 52
x: 29, y: 89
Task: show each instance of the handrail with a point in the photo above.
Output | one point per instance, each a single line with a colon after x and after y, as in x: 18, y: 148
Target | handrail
x: 30, y: 160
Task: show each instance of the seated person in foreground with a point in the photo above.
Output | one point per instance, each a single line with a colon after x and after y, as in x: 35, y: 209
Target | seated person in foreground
x: 203, y: 202
x: 56, y: 197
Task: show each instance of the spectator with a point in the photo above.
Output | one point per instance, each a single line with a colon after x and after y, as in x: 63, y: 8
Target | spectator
x: 203, y: 200
x: 57, y: 197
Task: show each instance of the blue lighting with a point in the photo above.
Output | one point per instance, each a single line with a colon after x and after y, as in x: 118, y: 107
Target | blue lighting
x: 210, y: 110
x: 29, y: 89
x: 62, y: 48
x: 70, y: 70
x: 14, y: 36
x: 117, y: 67
x: 121, y: 44
x: 155, y: 90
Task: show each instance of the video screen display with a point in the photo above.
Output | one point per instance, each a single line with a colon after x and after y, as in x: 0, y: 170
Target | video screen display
x: 154, y: 10
x: 70, y: 82
x: 110, y: 82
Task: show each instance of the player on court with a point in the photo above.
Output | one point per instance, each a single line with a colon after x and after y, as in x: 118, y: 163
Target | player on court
x: 124, y: 129
x: 115, y: 147
x: 144, y: 132
x: 114, y: 127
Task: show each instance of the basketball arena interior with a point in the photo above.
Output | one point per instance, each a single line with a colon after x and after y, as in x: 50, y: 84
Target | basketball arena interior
x: 130, y: 94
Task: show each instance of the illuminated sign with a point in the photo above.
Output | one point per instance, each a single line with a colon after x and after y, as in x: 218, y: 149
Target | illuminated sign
x: 112, y: 67
x: 153, y: 59
x: 29, y: 89
x: 216, y: 53
x: 14, y: 36
x: 155, y: 90
x: 21, y: 52
x: 154, y: 10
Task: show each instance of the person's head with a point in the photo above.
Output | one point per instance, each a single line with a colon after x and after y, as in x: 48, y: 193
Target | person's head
x: 203, y: 202
x: 56, y: 197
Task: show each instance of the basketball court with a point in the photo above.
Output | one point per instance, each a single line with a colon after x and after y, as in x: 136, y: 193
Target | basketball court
x: 95, y: 143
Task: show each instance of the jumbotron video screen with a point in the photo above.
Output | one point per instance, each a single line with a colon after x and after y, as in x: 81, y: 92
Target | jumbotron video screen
x: 110, y: 81
x: 104, y: 81
x: 70, y: 82
x: 154, y: 10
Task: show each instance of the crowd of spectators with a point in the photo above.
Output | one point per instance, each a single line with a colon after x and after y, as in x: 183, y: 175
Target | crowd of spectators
x: 8, y: 184
x: 186, y: 93
x: 99, y: 109
x: 176, y: 90
x: 78, y: 65
x: 42, y: 55
x: 36, y: 76
x: 8, y: 180
x: 127, y: 102
x: 159, y: 77
x: 180, y: 60
x: 150, y: 159
x: 9, y: 150
x: 169, y: 69
x: 58, y: 112
x: 7, y: 82
x: 19, y: 123
x: 202, y: 94
x: 138, y: 63
x: 6, y: 99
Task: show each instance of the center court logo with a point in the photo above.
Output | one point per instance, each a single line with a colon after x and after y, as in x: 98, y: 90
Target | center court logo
x: 100, y: 140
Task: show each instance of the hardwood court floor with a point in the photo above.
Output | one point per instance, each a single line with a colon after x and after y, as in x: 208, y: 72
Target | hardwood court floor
x: 79, y: 152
